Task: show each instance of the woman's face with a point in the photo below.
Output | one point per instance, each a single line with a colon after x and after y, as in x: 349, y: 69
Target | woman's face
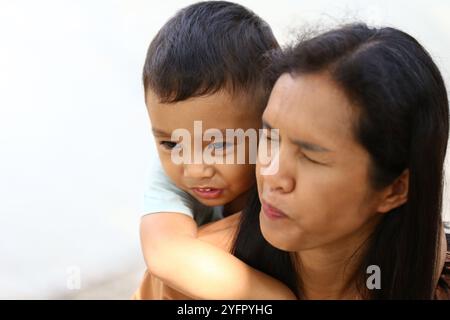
x: 320, y: 195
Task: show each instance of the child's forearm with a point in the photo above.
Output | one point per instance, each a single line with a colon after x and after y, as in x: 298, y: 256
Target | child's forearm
x: 157, y: 231
x: 199, y: 269
x: 203, y: 271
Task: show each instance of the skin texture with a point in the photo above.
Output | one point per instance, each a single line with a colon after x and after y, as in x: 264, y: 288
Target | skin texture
x: 219, y: 110
x: 219, y: 236
x: 322, y: 185
x: 169, y: 241
x: 200, y: 267
x: 329, y: 204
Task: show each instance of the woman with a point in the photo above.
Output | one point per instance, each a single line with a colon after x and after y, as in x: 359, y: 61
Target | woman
x: 354, y: 209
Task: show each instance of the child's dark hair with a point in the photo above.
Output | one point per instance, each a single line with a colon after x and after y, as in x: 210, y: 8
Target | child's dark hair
x: 206, y: 47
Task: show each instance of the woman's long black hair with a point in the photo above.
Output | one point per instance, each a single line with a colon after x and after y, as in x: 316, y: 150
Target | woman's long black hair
x: 403, y: 123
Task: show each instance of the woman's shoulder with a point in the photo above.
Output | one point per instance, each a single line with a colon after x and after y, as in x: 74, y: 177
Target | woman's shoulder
x: 220, y: 233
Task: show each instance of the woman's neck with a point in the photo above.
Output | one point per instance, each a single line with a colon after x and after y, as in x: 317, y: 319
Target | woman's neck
x: 330, y: 271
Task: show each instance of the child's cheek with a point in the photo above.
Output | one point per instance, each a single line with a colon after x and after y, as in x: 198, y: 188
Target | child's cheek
x: 173, y: 171
x: 240, y: 177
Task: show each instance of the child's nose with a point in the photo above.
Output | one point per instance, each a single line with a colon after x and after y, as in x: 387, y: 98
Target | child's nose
x: 198, y: 171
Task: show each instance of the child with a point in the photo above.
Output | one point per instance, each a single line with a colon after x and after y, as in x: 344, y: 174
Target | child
x: 205, y: 64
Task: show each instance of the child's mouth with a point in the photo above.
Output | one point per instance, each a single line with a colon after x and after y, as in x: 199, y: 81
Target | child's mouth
x: 208, y: 193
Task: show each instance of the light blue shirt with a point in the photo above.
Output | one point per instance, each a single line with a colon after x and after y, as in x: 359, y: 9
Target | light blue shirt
x: 161, y: 195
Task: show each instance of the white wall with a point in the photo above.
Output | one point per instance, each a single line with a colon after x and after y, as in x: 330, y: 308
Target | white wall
x: 74, y: 136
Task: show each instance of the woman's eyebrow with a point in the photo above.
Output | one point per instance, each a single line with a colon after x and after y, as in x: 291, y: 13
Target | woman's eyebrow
x: 300, y: 143
x: 160, y: 133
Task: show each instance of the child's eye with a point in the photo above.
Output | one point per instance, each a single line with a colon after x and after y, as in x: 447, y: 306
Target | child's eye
x: 220, y: 145
x: 169, y: 145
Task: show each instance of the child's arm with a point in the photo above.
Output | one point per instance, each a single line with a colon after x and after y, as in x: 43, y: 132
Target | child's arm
x: 199, y: 269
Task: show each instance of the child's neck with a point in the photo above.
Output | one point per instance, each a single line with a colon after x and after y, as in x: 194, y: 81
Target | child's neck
x: 237, y: 204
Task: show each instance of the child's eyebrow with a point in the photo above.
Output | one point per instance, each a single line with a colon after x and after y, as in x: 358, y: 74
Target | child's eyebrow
x: 159, y: 133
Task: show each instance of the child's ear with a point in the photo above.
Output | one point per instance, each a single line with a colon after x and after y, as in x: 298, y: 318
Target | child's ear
x: 396, y: 194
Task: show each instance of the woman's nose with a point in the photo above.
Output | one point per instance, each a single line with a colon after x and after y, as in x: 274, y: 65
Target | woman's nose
x: 278, y: 182
x: 278, y: 176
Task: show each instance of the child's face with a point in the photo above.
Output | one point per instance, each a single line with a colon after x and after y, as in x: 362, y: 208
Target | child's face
x: 212, y: 184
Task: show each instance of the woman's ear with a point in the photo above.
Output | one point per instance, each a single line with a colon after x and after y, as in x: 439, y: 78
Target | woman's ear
x: 396, y: 194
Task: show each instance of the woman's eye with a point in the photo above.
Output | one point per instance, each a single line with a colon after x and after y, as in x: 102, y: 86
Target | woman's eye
x: 169, y: 145
x: 303, y: 156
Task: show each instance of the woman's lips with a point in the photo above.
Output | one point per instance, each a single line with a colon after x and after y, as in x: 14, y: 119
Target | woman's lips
x: 272, y: 212
x: 208, y: 193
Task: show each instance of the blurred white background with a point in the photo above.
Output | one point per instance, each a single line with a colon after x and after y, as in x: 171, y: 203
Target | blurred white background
x: 75, y: 143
